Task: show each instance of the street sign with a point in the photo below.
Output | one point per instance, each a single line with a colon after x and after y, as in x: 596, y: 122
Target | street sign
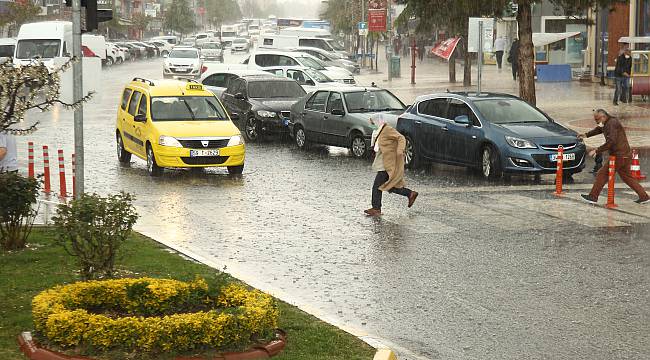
x: 363, y: 28
x: 473, y: 34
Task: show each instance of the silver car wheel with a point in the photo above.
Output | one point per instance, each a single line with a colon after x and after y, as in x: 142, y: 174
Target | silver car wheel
x: 300, y: 138
x: 358, y: 146
x: 487, y: 162
x: 408, y: 152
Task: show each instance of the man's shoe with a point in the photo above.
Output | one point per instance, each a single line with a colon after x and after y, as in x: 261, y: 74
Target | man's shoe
x: 642, y: 201
x: 589, y: 199
x: 616, y: 103
x: 373, y: 212
x: 412, y: 196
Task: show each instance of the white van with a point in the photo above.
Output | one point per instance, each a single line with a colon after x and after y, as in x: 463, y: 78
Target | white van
x: 305, y: 32
x: 169, y: 39
x: 51, y: 43
x: 228, y: 34
x: 96, y: 44
x: 272, y: 41
x: 7, y: 47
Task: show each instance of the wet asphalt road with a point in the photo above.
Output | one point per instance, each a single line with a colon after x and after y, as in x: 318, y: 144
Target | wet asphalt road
x: 475, y: 270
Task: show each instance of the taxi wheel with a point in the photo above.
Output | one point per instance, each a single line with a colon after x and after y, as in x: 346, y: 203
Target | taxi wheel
x: 236, y: 170
x: 152, y: 168
x: 122, y: 155
x: 252, y: 129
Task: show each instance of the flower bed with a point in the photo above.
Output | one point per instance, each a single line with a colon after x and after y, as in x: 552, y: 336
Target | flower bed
x: 152, y: 315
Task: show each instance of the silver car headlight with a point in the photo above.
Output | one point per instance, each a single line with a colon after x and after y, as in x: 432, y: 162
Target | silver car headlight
x: 520, y: 143
x: 168, y: 141
x: 266, y: 114
x: 235, y: 140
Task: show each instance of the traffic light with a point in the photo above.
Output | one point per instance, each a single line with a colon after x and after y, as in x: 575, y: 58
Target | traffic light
x: 95, y: 15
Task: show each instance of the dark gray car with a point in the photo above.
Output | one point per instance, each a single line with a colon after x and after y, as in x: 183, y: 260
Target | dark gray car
x: 341, y: 117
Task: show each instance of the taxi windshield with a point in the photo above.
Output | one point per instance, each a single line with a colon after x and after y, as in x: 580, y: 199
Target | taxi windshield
x: 186, y: 108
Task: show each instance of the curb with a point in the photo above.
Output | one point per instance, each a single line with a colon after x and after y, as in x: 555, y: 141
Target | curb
x: 385, y: 354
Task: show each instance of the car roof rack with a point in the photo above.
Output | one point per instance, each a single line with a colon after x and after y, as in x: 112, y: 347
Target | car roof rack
x: 146, y: 81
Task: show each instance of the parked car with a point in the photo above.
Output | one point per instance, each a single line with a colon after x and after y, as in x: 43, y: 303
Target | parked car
x: 164, y: 46
x: 341, y: 117
x: 158, y: 50
x: 212, y: 51
x: 262, y: 103
x: 128, y: 53
x: 190, y: 41
x: 150, y: 51
x: 493, y: 133
x: 240, y: 44
x: 183, y: 62
x: 217, y: 81
x: 308, y: 78
x: 331, y: 59
x: 263, y: 59
x: 7, y: 48
x: 137, y: 52
x: 176, y: 124
x: 114, y: 55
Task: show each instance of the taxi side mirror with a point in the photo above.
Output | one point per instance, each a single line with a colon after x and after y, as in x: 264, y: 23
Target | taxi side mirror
x: 240, y: 96
x: 234, y: 116
x: 140, y: 118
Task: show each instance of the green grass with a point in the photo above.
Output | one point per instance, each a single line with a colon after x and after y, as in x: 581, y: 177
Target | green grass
x: 25, y: 273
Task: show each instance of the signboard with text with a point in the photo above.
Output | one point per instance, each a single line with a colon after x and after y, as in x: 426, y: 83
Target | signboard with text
x: 473, y: 35
x: 377, y: 15
x: 446, y: 48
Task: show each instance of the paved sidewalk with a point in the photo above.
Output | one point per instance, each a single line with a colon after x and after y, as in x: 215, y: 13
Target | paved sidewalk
x: 570, y: 103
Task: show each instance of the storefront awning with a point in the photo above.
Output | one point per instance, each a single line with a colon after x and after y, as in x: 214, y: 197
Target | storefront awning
x: 541, y: 39
x: 635, y: 39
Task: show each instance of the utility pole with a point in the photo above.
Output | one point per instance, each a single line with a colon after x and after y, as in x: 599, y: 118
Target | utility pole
x: 389, y: 47
x: 363, y: 37
x: 77, y: 91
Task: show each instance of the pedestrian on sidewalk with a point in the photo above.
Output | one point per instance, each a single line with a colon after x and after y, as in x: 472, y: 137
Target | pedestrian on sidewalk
x: 398, y: 45
x: 513, y: 58
x: 389, y: 146
x: 622, y: 73
x: 421, y: 51
x: 617, y: 145
x: 8, y: 152
x: 499, y: 48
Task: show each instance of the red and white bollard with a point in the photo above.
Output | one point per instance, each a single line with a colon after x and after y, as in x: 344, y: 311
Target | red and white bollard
x: 635, y: 168
x: 62, y: 185
x: 46, y: 171
x: 560, y: 170
x: 74, y: 177
x: 30, y: 157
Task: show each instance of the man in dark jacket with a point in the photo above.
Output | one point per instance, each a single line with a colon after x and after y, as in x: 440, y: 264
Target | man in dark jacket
x: 513, y: 58
x: 622, y: 73
x: 616, y: 144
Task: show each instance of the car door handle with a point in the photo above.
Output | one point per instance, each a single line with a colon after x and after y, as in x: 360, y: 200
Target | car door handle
x: 474, y: 137
x: 445, y: 129
x: 418, y: 122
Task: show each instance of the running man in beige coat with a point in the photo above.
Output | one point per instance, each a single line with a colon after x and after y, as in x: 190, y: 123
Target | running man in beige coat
x: 389, y: 147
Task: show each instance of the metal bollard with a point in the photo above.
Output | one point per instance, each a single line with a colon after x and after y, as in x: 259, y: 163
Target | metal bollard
x: 46, y: 171
x: 559, y: 172
x: 610, y: 185
x: 62, y: 185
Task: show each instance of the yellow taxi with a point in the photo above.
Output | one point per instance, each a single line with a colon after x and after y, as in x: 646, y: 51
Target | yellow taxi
x: 176, y: 124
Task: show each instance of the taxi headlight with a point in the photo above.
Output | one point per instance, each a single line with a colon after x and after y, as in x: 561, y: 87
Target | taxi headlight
x: 168, y: 141
x: 266, y: 114
x: 235, y: 140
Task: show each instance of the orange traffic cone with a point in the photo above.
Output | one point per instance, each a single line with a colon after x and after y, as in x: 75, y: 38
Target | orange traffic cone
x: 636, y: 166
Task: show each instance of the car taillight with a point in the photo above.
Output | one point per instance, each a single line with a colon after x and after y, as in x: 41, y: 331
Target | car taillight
x: 204, y: 69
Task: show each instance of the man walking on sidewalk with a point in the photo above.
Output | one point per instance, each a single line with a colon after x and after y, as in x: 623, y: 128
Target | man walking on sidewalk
x: 513, y: 58
x: 622, y: 73
x: 389, y: 147
x: 616, y: 144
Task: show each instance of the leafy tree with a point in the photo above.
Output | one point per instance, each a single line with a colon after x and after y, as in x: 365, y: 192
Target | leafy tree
x: 19, y: 13
x: 179, y: 17
x: 141, y: 22
x: 454, y: 14
x: 343, y: 15
x: 222, y: 11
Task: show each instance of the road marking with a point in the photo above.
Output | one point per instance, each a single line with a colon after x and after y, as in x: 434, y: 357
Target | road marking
x: 641, y: 213
x: 564, y: 210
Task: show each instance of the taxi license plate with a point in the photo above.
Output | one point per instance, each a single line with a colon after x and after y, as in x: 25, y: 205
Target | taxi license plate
x: 566, y: 157
x: 199, y: 153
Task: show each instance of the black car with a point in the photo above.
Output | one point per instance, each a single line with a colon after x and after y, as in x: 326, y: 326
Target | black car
x: 493, y: 133
x: 262, y: 103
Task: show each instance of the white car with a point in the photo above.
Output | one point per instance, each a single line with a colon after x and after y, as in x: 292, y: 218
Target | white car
x: 263, y: 59
x: 212, y: 51
x: 240, y: 44
x: 308, y: 78
x: 114, y: 54
x: 330, y: 59
x: 218, y: 80
x: 164, y: 46
x: 183, y: 62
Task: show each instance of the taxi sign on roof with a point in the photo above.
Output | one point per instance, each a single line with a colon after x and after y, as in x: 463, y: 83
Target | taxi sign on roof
x: 194, y: 86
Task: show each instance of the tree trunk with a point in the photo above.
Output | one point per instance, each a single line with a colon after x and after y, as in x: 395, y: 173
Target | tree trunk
x: 452, y: 67
x: 526, y: 65
x: 467, y: 63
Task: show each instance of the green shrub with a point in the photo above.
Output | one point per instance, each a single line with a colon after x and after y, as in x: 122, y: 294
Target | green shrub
x: 17, y: 194
x: 92, y: 229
